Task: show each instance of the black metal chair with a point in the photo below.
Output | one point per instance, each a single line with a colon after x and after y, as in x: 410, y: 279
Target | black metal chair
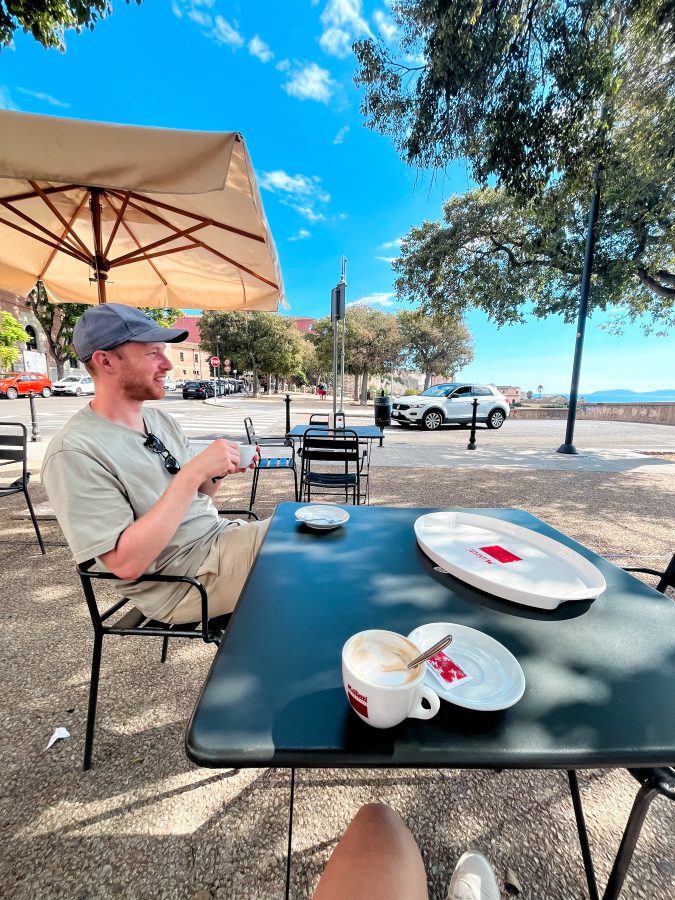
x: 281, y: 463
x: 331, y: 448
x: 134, y: 624
x: 13, y: 449
x: 653, y: 782
x: 319, y: 419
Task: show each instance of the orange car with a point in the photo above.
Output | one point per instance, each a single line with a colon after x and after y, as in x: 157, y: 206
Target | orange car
x: 20, y: 384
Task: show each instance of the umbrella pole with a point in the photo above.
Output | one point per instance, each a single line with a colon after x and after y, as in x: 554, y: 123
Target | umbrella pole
x: 100, y: 264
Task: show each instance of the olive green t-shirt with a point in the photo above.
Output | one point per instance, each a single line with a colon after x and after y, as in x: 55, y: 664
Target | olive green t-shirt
x: 100, y: 478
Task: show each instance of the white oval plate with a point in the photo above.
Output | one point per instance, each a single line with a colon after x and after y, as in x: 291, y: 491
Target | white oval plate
x: 497, y: 680
x: 323, y: 517
x: 507, y: 560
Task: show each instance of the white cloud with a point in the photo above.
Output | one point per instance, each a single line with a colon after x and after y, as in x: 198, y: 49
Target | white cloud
x: 302, y: 235
x: 391, y: 245
x: 200, y: 18
x: 224, y: 33
x: 6, y: 101
x: 377, y: 299
x: 340, y: 136
x: 259, y: 48
x: 387, y: 259
x: 385, y: 24
x: 343, y: 23
x: 310, y: 82
x: 303, y: 193
x: 46, y: 98
x: 283, y: 65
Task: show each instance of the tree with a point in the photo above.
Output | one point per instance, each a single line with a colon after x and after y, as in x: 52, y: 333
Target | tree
x: 436, y: 345
x: 529, y: 395
x: 503, y: 256
x: 372, y: 343
x: 266, y: 343
x: 59, y: 319
x: 540, y: 388
x: 11, y: 333
x: 47, y: 20
x: 535, y: 95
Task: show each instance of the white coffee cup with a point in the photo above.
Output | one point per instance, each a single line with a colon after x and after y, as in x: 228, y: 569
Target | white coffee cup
x: 379, y: 687
x: 246, y: 454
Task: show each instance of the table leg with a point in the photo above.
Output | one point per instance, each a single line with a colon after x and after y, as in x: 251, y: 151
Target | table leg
x: 583, y: 835
x: 630, y: 836
x: 290, y: 837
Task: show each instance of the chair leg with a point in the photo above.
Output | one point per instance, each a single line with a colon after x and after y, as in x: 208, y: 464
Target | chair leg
x: 254, y: 487
x: 93, y: 697
x: 630, y: 837
x: 35, y: 522
x: 165, y: 647
x: 295, y: 481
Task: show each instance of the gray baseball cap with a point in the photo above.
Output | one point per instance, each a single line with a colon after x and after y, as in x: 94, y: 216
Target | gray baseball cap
x: 111, y: 324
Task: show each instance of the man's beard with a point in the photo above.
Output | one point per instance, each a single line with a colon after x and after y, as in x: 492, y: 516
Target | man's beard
x: 140, y: 389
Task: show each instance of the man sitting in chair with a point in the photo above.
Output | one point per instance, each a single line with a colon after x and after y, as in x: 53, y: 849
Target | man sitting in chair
x: 127, y: 488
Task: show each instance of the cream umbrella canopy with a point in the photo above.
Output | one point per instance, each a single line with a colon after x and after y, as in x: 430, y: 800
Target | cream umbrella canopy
x: 143, y: 216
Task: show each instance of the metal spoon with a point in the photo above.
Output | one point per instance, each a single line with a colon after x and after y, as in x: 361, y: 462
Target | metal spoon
x: 439, y: 645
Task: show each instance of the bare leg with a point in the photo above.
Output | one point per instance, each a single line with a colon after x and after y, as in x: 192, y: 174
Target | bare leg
x: 376, y: 859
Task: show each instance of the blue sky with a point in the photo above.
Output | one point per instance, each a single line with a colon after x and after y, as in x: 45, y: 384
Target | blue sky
x: 281, y: 73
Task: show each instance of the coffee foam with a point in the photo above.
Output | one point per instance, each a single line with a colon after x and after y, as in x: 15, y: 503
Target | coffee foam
x: 383, y: 659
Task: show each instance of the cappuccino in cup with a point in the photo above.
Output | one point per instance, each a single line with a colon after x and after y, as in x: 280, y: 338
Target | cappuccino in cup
x: 379, y: 686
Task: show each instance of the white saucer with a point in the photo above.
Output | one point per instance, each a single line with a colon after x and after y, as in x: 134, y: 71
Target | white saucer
x: 497, y: 680
x: 322, y: 517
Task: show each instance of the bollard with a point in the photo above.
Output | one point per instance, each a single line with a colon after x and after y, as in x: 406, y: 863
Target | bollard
x: 288, y: 402
x: 35, y: 430
x: 472, y: 439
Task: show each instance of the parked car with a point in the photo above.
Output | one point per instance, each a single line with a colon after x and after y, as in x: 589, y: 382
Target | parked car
x: 445, y: 404
x: 20, y: 384
x: 197, y: 390
x: 180, y: 384
x: 169, y: 384
x: 74, y: 385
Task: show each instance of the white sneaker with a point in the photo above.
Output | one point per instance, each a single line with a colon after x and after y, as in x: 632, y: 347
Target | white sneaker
x: 473, y: 879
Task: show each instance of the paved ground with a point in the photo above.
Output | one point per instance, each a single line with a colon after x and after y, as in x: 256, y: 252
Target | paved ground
x: 145, y: 823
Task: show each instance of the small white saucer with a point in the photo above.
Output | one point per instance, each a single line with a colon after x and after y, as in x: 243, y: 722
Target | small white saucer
x: 497, y: 680
x: 322, y: 517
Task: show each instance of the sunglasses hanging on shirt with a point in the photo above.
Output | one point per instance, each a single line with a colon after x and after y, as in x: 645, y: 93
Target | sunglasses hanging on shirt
x: 171, y: 464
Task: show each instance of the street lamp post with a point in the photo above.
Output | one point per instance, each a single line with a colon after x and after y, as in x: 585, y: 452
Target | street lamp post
x: 218, y: 355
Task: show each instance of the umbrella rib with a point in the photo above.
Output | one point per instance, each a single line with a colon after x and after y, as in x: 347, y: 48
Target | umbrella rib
x: 118, y: 221
x: 189, y: 215
x: 60, y: 246
x: 55, y: 250
x: 29, y: 195
x: 134, y: 255
x: 38, y: 190
x: 201, y: 244
x: 149, y: 256
x: 135, y: 239
x: 42, y: 228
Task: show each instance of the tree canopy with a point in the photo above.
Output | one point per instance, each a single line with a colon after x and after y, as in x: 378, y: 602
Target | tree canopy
x: 11, y: 333
x: 536, y: 94
x: 435, y: 344
x: 47, y: 20
x: 264, y: 342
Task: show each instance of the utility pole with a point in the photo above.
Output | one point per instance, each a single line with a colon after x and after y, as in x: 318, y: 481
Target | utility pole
x: 337, y: 297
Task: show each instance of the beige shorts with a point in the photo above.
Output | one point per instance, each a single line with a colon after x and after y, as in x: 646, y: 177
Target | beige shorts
x: 222, y: 573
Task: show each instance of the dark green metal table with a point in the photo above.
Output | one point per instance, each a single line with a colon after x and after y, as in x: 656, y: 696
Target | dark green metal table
x: 364, y: 432
x: 599, y: 674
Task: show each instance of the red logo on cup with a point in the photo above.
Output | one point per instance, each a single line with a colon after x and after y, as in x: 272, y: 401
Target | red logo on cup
x: 358, y: 701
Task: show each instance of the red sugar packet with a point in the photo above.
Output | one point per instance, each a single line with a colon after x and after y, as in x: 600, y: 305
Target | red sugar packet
x: 447, y: 670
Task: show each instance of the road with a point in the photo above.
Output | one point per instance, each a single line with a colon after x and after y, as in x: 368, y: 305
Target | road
x: 202, y: 421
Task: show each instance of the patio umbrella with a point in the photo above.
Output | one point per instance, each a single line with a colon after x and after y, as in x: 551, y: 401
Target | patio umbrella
x: 142, y: 216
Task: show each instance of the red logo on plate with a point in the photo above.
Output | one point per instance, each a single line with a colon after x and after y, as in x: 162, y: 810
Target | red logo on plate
x: 500, y: 554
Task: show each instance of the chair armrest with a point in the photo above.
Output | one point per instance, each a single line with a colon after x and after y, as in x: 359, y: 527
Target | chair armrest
x: 645, y: 571
x: 239, y: 512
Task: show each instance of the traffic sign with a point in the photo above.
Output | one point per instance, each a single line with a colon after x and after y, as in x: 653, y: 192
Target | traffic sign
x: 215, y: 362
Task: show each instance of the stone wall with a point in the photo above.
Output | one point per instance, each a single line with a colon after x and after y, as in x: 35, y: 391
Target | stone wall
x: 649, y: 413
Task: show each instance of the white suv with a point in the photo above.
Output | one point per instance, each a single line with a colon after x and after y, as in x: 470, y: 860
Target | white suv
x: 443, y: 404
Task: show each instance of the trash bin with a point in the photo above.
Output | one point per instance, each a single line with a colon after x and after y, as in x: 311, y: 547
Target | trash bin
x: 382, y: 410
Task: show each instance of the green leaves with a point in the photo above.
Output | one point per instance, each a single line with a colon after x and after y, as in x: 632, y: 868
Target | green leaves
x: 11, y: 333
x: 47, y: 20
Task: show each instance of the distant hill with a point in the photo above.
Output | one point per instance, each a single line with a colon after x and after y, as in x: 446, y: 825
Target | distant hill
x: 626, y: 396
